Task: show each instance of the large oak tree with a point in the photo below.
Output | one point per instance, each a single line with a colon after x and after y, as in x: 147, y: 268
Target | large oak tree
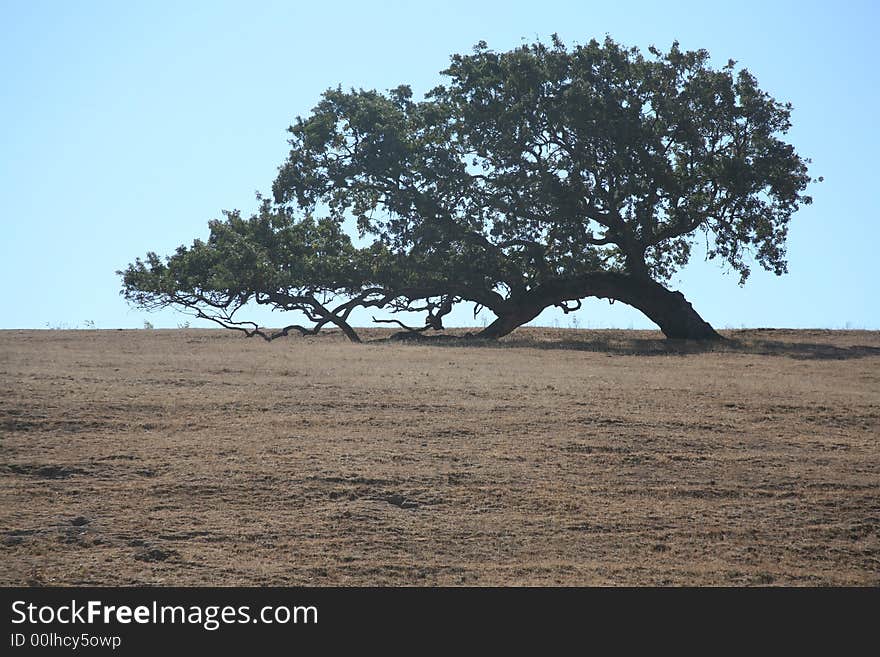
x: 533, y: 178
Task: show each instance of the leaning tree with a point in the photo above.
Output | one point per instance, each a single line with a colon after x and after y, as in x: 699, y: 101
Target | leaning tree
x: 534, y: 178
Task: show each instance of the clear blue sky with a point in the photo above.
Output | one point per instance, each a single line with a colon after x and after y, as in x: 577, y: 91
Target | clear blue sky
x: 126, y: 126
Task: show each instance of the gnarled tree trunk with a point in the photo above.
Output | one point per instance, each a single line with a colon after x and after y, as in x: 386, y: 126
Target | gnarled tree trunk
x: 510, y: 321
x: 674, y: 314
x: 346, y: 328
x: 667, y: 308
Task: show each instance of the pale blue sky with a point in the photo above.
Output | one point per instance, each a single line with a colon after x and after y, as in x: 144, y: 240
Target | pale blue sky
x: 126, y: 126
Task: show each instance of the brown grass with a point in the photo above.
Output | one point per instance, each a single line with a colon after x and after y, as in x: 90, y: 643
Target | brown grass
x: 555, y: 457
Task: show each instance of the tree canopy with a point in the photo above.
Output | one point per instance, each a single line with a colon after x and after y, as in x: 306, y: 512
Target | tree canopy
x: 533, y: 178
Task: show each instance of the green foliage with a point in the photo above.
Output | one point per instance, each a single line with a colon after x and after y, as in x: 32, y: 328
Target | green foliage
x: 250, y: 258
x: 556, y: 161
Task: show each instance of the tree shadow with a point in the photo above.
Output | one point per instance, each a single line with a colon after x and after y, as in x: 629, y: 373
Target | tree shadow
x: 797, y: 350
x: 643, y: 343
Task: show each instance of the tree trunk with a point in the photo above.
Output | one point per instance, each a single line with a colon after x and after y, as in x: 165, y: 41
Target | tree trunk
x: 667, y: 308
x: 336, y: 320
x: 508, y: 322
x: 350, y: 333
x: 674, y: 314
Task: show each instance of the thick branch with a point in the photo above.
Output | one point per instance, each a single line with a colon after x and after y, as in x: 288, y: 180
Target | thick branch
x: 402, y: 325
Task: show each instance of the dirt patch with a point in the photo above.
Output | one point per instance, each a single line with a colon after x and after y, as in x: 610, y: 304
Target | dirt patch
x: 551, y: 457
x: 44, y: 471
x: 153, y: 554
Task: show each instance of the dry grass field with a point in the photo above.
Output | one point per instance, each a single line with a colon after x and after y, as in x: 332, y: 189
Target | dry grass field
x: 556, y: 457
